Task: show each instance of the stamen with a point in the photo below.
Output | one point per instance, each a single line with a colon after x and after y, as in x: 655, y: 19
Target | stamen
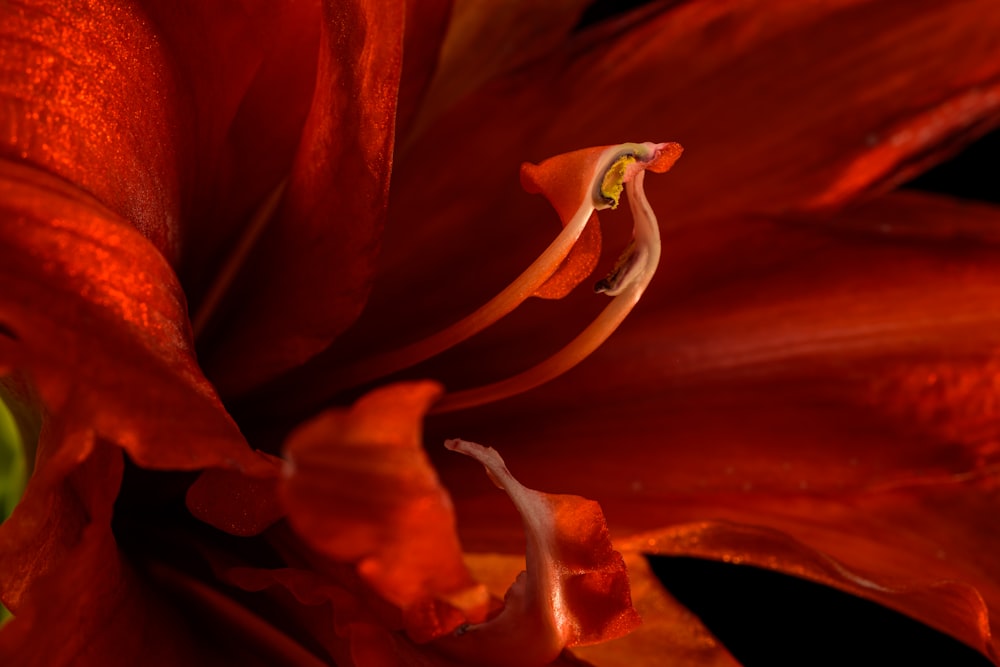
x: 626, y: 283
x: 610, y: 169
x: 227, y: 274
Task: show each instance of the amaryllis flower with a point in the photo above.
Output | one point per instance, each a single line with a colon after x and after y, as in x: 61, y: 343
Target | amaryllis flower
x: 268, y: 272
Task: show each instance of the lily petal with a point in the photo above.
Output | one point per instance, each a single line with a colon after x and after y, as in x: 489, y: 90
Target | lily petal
x: 236, y: 502
x: 487, y: 38
x: 322, y: 245
x: 573, y: 591
x: 126, y: 368
x: 87, y: 95
x: 359, y: 489
x: 426, y: 23
x: 245, y: 73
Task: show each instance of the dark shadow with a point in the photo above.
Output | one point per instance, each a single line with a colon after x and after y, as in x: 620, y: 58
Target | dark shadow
x: 767, y: 619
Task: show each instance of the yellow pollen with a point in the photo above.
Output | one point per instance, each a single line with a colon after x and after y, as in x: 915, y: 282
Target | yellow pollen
x: 614, y: 180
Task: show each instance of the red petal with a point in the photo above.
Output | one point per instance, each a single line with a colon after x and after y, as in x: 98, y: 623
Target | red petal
x: 246, y: 70
x: 314, y: 269
x: 88, y: 95
x: 360, y: 489
x: 95, y: 319
x: 888, y: 537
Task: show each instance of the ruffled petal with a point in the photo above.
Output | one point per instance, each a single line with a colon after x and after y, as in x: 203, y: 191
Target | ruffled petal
x: 313, y: 268
x: 776, y: 384
x: 574, y: 589
x: 95, y: 322
x: 359, y: 489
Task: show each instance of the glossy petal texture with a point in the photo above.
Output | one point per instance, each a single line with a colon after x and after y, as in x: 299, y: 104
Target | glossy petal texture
x: 64, y: 258
x: 87, y: 94
x: 67, y: 259
x: 858, y: 404
x: 359, y: 489
x: 574, y: 589
x: 321, y: 247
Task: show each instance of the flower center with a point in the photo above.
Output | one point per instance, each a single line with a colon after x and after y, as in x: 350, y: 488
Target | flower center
x: 578, y: 185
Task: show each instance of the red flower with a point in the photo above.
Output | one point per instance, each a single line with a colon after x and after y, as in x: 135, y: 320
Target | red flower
x: 809, y: 384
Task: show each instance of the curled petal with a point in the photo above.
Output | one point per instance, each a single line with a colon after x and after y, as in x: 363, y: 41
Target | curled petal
x: 95, y: 320
x: 359, y: 488
x: 321, y: 245
x: 574, y: 590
